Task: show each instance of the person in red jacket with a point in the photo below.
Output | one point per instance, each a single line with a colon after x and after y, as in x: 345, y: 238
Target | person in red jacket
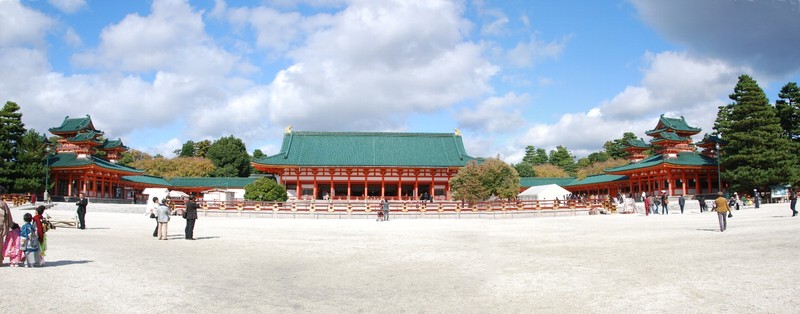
x: 40, y: 231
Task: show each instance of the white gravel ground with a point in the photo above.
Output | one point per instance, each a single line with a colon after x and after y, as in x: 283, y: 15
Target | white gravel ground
x: 614, y: 263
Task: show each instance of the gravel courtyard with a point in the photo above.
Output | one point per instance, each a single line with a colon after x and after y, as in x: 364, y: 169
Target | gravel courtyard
x: 613, y: 263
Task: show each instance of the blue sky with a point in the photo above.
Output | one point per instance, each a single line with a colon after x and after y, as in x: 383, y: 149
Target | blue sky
x: 506, y: 73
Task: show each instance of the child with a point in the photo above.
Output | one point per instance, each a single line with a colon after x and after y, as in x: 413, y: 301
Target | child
x: 29, y: 241
x: 12, y: 246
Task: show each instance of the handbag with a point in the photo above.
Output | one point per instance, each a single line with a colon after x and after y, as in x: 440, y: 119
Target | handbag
x: 184, y: 215
x: 152, y: 215
x: 730, y: 215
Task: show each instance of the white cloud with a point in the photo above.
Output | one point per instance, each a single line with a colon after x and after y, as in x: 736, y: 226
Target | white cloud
x: 497, y: 26
x: 495, y: 114
x: 171, y: 38
x: 674, y: 84
x: 20, y: 25
x: 68, y: 6
x: 71, y: 38
x: 166, y: 149
x: 527, y: 54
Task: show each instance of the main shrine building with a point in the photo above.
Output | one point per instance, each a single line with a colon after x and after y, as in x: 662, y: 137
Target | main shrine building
x: 366, y: 165
x: 674, y: 166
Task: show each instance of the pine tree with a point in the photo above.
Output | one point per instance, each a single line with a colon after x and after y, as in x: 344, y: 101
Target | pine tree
x: 756, y: 154
x: 788, y: 110
x: 11, y: 131
x: 29, y: 166
x: 230, y: 156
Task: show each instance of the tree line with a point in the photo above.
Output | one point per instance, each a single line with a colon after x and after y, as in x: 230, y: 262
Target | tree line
x: 224, y: 157
x: 22, y: 153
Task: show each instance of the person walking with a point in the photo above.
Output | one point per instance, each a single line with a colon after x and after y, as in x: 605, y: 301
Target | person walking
x: 646, y: 201
x: 793, y: 201
x: 385, y: 207
x: 82, y: 203
x: 664, y: 201
x: 723, y: 210
x: 681, y: 202
x: 191, y: 216
x: 702, y: 201
x: 163, y: 219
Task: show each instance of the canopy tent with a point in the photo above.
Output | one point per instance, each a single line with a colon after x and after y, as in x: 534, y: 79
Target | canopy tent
x: 177, y: 194
x: 161, y: 193
x: 544, y: 192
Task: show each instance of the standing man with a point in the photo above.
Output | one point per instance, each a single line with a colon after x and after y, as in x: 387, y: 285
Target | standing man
x: 681, y: 202
x: 385, y: 206
x: 82, y: 202
x: 664, y: 209
x: 191, y: 216
x: 721, y: 205
x: 756, y: 198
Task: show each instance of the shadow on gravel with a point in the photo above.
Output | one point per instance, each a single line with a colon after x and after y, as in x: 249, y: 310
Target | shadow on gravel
x: 206, y: 238
x: 712, y: 230
x: 64, y: 263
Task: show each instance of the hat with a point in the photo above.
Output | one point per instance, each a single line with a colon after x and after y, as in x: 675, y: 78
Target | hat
x: 719, y: 193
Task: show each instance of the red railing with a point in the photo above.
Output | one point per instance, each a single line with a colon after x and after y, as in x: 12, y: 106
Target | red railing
x: 362, y: 206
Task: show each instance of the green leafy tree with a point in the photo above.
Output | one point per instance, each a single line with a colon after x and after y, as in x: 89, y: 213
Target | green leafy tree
x: 525, y: 169
x: 265, y: 189
x: 616, y: 148
x: 11, y: 132
x: 562, y: 158
x: 479, y: 182
x: 175, y: 167
x: 29, y: 166
x: 756, y: 154
x: 230, y: 156
x: 533, y: 157
x: 128, y: 158
x: 467, y: 185
x: 258, y: 154
x: 201, y: 148
x: 187, y: 150
x: 788, y: 110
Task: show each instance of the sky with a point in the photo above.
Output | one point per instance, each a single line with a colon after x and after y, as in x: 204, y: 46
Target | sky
x: 507, y: 74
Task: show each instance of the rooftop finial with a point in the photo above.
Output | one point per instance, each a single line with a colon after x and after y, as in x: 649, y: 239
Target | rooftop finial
x: 458, y: 132
x: 288, y: 130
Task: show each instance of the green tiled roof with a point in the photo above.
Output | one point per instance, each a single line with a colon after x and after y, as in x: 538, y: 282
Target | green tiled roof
x: 638, y: 143
x: 673, y: 124
x: 707, y: 139
x: 600, y: 178
x: 109, y: 144
x: 669, y: 136
x: 683, y: 159
x: 217, y: 182
x: 85, y: 136
x: 73, y: 125
x: 68, y: 159
x: 184, y: 182
x: 534, y: 181
x: 151, y: 180
x: 369, y: 149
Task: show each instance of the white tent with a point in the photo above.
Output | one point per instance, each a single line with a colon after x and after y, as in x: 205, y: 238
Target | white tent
x: 544, y: 192
x: 161, y: 193
x: 177, y: 194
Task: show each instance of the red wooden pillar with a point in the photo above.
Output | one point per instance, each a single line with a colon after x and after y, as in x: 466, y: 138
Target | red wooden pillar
x: 298, y: 186
x: 708, y: 181
x: 330, y: 194
x: 683, y: 181
x: 383, y: 183
x: 400, y: 183
x: 416, y: 183
x: 314, y: 172
x: 433, y: 182
x: 697, y: 183
x: 366, y: 183
x: 349, y: 193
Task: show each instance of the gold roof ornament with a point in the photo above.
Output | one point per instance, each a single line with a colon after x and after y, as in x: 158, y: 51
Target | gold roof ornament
x: 458, y: 132
x: 288, y: 130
